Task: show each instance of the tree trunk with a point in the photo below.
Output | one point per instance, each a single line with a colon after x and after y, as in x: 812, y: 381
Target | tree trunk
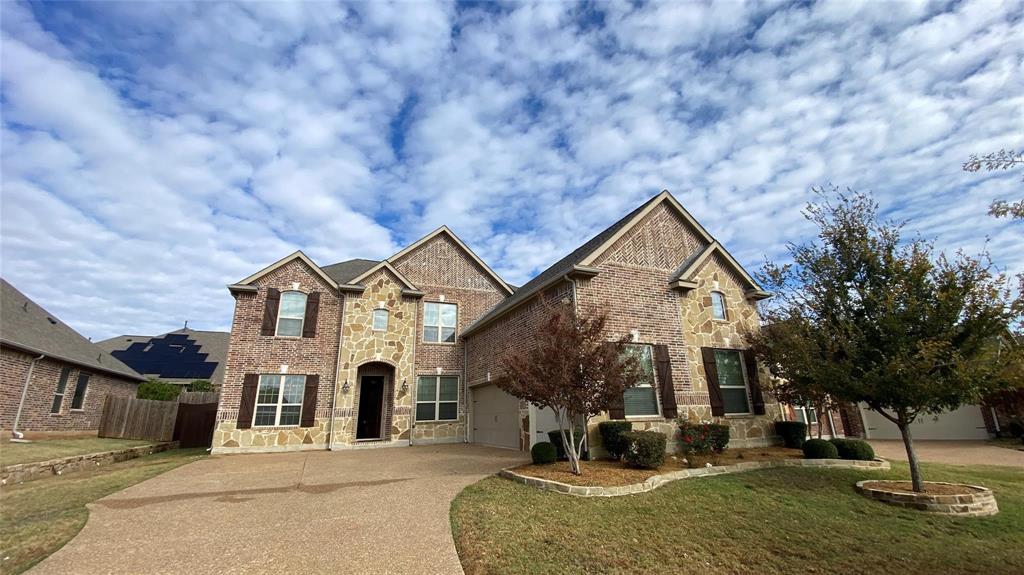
x: 569, y: 443
x: 817, y: 415
x: 915, y: 467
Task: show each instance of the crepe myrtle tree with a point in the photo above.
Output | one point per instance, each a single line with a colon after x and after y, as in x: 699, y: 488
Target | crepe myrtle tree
x: 572, y: 369
x: 864, y: 315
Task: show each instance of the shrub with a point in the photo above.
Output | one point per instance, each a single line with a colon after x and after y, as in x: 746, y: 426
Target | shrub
x: 543, y: 453
x: 1015, y: 429
x: 158, y: 390
x: 611, y: 436
x: 644, y: 449
x: 819, y: 449
x: 700, y: 438
x: 853, y: 449
x: 200, y: 385
x: 556, y: 439
x: 719, y: 436
x: 793, y: 433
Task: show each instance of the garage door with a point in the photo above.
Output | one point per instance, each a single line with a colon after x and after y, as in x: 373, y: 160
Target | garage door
x: 963, y: 423
x: 495, y: 417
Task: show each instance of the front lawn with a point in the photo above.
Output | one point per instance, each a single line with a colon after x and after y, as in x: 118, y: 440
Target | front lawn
x: 784, y: 520
x: 40, y: 516
x: 47, y: 449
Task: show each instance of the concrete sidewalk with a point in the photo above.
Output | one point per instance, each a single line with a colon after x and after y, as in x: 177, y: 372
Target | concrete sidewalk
x: 950, y: 452
x: 364, y: 511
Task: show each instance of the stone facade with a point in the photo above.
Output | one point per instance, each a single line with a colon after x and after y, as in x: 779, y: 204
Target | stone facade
x: 35, y: 415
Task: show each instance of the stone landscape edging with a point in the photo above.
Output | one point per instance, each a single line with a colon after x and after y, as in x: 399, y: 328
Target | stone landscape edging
x: 22, y: 472
x: 981, y: 503
x: 657, y: 481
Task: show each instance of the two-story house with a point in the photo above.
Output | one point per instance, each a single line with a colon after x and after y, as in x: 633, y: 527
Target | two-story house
x: 407, y: 350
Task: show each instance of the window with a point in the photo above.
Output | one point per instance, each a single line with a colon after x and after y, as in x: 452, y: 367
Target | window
x: 732, y: 381
x: 62, y: 384
x: 717, y: 305
x: 279, y: 400
x: 439, y: 322
x: 806, y: 414
x: 79, y: 397
x: 437, y: 398
x: 641, y: 399
x: 291, y: 314
x: 380, y: 320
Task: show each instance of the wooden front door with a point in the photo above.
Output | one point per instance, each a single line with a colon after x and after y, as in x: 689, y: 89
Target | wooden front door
x: 371, y: 404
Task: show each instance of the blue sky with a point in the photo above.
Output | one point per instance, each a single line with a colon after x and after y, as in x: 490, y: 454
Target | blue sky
x: 154, y: 152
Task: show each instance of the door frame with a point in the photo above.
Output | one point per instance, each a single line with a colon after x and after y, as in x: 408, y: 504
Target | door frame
x: 383, y: 406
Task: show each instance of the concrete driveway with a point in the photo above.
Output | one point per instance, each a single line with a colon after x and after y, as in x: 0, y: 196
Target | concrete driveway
x: 363, y: 511
x: 950, y: 452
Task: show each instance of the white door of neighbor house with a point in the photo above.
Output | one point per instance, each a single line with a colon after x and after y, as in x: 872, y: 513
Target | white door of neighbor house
x: 964, y: 423
x: 495, y: 417
x: 544, y: 420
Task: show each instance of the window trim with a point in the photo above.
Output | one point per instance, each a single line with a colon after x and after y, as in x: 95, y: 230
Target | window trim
x: 280, y: 401
x: 725, y: 308
x: 280, y: 310
x: 746, y: 384
x: 61, y: 390
x: 806, y: 411
x: 85, y: 392
x: 437, y: 398
x: 373, y: 319
x: 455, y: 328
x: 653, y: 385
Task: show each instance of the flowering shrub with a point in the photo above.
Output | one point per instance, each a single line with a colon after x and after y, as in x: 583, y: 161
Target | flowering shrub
x: 702, y: 437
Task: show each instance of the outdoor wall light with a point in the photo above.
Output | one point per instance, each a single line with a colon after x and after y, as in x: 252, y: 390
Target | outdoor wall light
x: 405, y: 385
x: 345, y: 388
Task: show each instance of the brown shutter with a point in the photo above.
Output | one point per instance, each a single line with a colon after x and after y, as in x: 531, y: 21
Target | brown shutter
x: 250, y: 384
x: 270, y: 312
x: 617, y: 407
x: 312, y: 307
x: 711, y: 372
x: 754, y: 381
x: 663, y: 365
x: 309, y: 401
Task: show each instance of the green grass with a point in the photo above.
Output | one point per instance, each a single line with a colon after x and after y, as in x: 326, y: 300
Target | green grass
x: 788, y: 520
x: 46, y: 449
x: 40, y: 516
x: 1007, y: 442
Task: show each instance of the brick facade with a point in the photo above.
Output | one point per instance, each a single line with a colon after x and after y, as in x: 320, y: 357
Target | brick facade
x: 35, y: 415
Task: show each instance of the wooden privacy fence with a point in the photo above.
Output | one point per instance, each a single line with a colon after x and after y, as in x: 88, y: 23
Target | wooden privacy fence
x: 198, y: 397
x: 130, y: 418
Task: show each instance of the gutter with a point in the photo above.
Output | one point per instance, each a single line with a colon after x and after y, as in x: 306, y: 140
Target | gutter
x: 139, y: 378
x: 17, y: 436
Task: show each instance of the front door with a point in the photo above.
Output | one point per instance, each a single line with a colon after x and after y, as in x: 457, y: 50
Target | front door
x: 371, y: 403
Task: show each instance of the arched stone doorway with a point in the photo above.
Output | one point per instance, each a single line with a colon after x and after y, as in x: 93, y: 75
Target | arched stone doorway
x: 374, y: 401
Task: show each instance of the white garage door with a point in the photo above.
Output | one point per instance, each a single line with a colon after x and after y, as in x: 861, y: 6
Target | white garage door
x: 495, y: 417
x: 963, y: 423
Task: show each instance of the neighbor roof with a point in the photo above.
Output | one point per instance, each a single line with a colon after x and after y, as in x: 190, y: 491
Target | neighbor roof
x: 180, y: 356
x: 30, y: 328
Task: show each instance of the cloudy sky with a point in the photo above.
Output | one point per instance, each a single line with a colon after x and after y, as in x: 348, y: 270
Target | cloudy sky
x: 154, y: 152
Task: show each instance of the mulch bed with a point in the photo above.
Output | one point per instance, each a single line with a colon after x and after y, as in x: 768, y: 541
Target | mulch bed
x: 605, y: 473
x: 929, y: 488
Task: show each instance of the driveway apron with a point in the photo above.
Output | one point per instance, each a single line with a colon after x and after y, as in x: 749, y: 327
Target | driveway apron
x: 360, y: 511
x: 950, y: 452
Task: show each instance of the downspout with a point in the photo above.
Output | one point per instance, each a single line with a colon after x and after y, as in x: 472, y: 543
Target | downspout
x: 17, y: 435
x: 337, y: 369
x: 832, y: 424
x: 465, y: 383
x: 995, y: 420
x: 415, y: 377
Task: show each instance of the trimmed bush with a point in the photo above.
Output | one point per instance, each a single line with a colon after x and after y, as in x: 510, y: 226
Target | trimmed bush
x: 158, y: 390
x: 793, y: 433
x: 719, y: 437
x: 644, y: 449
x: 611, y: 436
x: 543, y: 453
x: 854, y: 449
x: 701, y: 438
x: 819, y: 449
x: 556, y: 439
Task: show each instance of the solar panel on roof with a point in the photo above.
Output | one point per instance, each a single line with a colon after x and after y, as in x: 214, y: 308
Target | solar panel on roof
x: 173, y: 356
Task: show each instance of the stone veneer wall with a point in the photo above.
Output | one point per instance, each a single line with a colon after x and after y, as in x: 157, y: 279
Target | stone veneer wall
x: 250, y: 352
x: 35, y: 415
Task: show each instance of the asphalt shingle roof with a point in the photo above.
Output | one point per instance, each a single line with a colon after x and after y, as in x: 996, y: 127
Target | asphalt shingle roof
x: 27, y: 326
x: 346, y: 271
x: 214, y: 344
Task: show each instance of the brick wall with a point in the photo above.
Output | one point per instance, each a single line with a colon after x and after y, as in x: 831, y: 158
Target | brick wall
x: 36, y: 416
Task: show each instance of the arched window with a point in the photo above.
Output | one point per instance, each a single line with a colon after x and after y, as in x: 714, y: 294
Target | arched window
x: 718, y: 305
x: 380, y: 320
x: 291, y: 314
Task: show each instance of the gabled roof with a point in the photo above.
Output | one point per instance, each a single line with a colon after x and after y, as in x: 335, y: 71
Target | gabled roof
x: 247, y: 282
x: 180, y: 356
x: 445, y: 230
x: 581, y: 259
x: 385, y: 265
x: 344, y: 272
x: 684, y: 277
x: 32, y: 329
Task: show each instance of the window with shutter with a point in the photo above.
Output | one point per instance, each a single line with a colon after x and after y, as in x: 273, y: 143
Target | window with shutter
x: 291, y: 314
x: 732, y: 381
x: 641, y: 400
x: 279, y: 400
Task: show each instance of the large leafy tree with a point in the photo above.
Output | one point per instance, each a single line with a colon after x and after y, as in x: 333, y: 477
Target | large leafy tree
x: 863, y: 314
x: 571, y: 369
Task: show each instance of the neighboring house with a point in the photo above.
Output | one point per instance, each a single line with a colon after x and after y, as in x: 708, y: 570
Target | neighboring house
x: 178, y: 357
x: 842, y: 422
x: 966, y: 422
x: 407, y: 350
x: 65, y: 378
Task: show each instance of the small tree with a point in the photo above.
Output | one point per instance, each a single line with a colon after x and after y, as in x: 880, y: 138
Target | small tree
x: 884, y: 321
x: 572, y: 370
x: 158, y: 390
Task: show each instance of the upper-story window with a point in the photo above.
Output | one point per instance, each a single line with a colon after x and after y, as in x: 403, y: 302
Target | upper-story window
x: 380, y: 320
x: 717, y: 305
x: 439, y: 322
x: 291, y: 314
